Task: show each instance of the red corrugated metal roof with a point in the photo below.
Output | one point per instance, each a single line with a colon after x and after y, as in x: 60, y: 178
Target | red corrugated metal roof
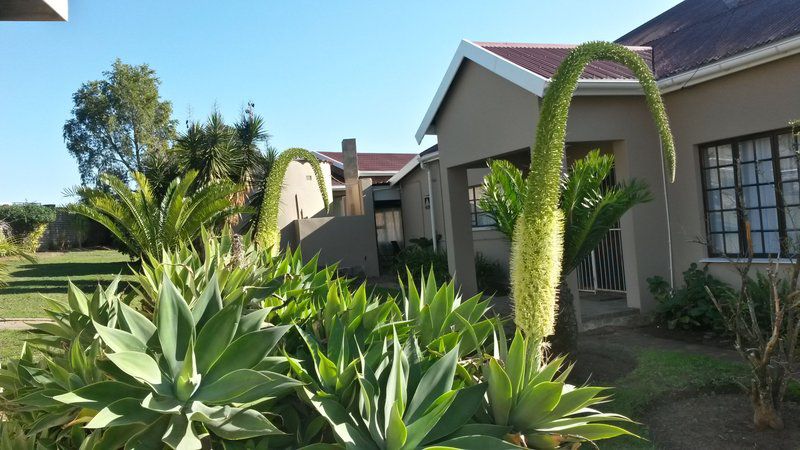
x: 376, y: 162
x: 544, y: 59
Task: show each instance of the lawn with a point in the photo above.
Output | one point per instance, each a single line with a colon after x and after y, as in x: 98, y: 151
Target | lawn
x: 28, y: 282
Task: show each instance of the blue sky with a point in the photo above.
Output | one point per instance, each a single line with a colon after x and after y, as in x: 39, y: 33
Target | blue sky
x: 318, y: 71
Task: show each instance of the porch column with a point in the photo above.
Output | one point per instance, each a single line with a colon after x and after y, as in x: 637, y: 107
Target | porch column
x: 458, y: 228
x: 644, y: 237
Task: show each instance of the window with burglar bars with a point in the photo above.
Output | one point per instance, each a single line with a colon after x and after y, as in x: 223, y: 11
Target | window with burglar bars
x: 752, y: 179
x: 479, y: 218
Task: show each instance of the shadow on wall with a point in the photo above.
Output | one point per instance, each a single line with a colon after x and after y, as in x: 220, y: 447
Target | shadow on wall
x: 348, y: 240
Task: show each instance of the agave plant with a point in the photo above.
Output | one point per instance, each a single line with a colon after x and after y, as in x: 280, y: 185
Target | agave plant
x: 28, y: 385
x: 442, y: 320
x: 267, y: 233
x: 147, y: 226
x: 537, y: 247
x: 399, y: 405
x: 74, y: 319
x: 536, y: 404
x: 197, y: 373
x: 283, y: 288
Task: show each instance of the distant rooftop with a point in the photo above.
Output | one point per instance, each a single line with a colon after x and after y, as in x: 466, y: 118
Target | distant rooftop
x: 375, y: 162
x: 544, y: 59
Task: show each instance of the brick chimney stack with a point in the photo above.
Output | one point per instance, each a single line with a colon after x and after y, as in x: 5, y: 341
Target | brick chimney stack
x: 354, y: 196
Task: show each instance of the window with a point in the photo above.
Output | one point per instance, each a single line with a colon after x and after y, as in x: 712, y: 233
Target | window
x: 752, y: 179
x: 479, y: 218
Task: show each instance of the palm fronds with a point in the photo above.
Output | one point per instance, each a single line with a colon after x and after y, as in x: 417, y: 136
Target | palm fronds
x: 147, y: 225
x: 592, y: 206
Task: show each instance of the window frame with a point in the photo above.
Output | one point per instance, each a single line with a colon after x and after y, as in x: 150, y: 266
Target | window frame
x: 777, y: 186
x: 475, y: 211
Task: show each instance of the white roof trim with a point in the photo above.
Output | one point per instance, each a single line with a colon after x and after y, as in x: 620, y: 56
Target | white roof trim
x: 524, y: 78
x: 411, y: 165
x: 328, y: 159
x: 742, y: 61
x: 501, y: 66
x: 536, y: 84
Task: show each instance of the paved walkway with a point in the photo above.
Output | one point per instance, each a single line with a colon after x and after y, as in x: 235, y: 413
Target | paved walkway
x: 21, y: 323
x: 634, y: 339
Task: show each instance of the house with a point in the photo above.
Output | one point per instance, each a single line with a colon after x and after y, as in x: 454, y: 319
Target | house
x: 34, y: 10
x: 362, y: 229
x: 728, y: 71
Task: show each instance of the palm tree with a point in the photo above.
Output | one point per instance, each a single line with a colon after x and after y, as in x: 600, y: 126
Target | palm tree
x: 146, y: 225
x: 218, y: 151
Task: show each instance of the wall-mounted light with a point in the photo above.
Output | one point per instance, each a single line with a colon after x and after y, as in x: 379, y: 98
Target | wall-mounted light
x: 427, y: 202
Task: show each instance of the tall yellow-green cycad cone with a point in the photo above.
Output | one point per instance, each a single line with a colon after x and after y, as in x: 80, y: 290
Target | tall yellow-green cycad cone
x: 538, y: 236
x: 268, y: 234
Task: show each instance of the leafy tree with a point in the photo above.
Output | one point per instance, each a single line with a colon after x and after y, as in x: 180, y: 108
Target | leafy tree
x: 537, y: 247
x: 117, y: 122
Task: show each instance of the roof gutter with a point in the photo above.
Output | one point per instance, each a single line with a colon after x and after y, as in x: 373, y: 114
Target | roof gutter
x: 411, y: 165
x: 742, y: 61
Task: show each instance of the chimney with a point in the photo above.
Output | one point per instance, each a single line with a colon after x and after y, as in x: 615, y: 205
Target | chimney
x: 354, y: 198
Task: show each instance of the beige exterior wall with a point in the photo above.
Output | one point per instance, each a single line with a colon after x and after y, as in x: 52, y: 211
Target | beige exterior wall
x: 300, y: 196
x: 759, y: 99
x: 484, y: 116
x: 487, y: 116
x: 417, y: 219
x: 347, y: 240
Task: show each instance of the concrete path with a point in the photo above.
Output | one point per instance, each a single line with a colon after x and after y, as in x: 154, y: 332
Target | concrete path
x: 634, y: 338
x: 20, y: 323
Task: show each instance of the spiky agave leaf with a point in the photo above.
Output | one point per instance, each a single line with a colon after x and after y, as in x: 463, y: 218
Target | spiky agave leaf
x: 538, y: 237
x: 267, y: 233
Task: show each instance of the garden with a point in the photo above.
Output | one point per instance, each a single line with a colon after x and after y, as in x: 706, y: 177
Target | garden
x: 204, y: 333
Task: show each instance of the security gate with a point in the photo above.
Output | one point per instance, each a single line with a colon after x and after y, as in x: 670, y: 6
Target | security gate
x: 604, y: 268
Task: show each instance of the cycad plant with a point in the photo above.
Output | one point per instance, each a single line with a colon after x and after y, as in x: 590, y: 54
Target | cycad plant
x: 537, y: 247
x: 591, y: 206
x: 267, y: 233
x: 146, y: 225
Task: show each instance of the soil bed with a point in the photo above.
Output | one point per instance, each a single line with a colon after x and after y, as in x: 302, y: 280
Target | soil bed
x: 718, y: 421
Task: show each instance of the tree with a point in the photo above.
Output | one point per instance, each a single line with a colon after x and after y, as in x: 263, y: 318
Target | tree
x: 117, y: 122
x: 537, y: 247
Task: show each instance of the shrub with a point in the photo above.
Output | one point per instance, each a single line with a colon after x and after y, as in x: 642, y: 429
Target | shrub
x: 491, y: 277
x: 32, y: 241
x: 216, y: 365
x: 419, y: 257
x: 25, y: 218
x: 690, y: 307
x: 147, y: 225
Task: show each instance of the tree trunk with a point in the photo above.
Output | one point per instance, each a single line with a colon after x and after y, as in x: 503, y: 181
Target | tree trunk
x: 765, y: 415
x: 565, y: 339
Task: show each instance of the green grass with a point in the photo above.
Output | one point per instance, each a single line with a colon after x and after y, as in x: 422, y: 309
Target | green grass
x: 11, y: 343
x: 27, y: 282
x: 660, y: 375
